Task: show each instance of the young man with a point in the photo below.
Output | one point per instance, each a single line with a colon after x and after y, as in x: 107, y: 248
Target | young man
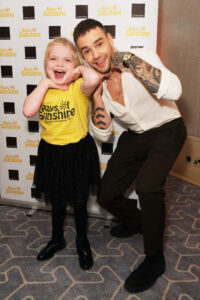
x: 140, y: 92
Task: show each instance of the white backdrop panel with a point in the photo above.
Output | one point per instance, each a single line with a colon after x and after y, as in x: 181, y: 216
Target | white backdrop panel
x: 26, y: 27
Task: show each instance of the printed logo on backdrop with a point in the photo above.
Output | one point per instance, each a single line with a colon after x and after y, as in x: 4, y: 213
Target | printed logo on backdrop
x: 54, y: 12
x: 14, y: 190
x: 28, y: 12
x: 109, y: 11
x: 6, y: 72
x: 137, y: 31
x: 138, y: 10
x: 30, y: 52
x: 9, y: 107
x: 54, y: 31
x: 10, y: 125
x: 34, y: 193
x: 29, y: 32
x: 32, y: 160
x: 31, y: 143
x: 107, y: 148
x: 7, y: 52
x: 81, y: 11
x: 12, y: 158
x: 11, y: 142
x: 33, y: 126
x: 111, y: 29
x: 4, y: 33
x: 31, y: 72
x: 30, y: 88
x: 30, y: 176
x: 13, y: 175
x: 6, y: 13
x: 8, y: 89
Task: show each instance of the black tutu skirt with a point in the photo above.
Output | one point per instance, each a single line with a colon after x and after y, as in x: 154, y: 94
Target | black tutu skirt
x: 67, y: 174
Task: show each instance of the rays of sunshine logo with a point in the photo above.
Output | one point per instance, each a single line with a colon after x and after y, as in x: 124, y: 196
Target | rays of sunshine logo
x: 12, y: 158
x: 6, y: 13
x: 7, y: 52
x: 29, y: 176
x: 31, y: 72
x: 29, y: 33
x: 14, y: 190
x: 10, y: 125
x: 8, y: 89
x: 54, y: 12
x: 137, y: 31
x: 109, y: 11
x: 31, y: 143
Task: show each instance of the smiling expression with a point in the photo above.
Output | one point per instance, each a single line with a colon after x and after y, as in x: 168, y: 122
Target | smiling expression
x: 59, y: 63
x: 96, y: 48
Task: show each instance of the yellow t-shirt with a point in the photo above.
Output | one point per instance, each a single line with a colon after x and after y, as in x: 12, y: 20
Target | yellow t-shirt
x: 63, y: 115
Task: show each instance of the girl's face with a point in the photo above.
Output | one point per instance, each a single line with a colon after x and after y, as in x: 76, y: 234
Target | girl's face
x: 59, y: 63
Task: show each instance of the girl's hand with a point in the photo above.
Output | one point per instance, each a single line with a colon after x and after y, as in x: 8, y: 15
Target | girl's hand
x: 72, y: 76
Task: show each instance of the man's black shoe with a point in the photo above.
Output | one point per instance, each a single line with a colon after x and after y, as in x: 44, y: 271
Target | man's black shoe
x: 146, y: 274
x: 85, y: 254
x: 50, y: 249
x: 122, y: 231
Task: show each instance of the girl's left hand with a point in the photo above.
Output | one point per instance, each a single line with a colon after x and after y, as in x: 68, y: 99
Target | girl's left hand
x: 72, y: 76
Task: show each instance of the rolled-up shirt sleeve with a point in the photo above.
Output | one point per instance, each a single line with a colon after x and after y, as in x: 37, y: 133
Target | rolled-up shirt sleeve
x: 101, y: 134
x: 170, y: 89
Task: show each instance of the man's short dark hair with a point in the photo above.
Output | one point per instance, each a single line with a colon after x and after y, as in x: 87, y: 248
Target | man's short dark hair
x: 85, y: 26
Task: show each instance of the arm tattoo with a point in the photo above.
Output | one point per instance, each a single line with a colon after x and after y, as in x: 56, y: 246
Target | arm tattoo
x: 149, y: 75
x: 101, y: 122
x: 98, y: 118
x: 100, y: 115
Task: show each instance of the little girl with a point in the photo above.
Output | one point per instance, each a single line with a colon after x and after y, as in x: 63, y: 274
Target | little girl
x: 67, y: 162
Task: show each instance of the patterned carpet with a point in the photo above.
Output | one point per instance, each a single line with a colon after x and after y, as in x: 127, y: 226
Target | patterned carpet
x: 22, y: 277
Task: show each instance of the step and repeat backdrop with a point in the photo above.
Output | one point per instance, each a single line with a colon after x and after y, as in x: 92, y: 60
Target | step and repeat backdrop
x: 26, y: 27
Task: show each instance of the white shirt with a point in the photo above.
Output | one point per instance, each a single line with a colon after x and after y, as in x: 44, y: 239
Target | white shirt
x: 142, y: 110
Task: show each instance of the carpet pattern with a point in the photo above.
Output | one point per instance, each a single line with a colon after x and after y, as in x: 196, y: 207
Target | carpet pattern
x: 22, y: 277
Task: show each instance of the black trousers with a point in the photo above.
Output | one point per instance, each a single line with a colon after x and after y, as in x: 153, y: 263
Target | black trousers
x: 145, y: 159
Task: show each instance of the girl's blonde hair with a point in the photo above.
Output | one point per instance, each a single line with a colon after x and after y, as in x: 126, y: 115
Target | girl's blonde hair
x: 65, y: 42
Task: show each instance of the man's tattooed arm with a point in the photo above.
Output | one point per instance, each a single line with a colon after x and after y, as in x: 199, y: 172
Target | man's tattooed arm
x: 146, y: 73
x: 100, y: 118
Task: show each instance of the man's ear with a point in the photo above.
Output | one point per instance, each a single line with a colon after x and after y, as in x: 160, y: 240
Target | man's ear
x: 110, y: 39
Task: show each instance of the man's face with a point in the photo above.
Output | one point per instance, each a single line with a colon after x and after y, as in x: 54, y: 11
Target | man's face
x: 96, y: 48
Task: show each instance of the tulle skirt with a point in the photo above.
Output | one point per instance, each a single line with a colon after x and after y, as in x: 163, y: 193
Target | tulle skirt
x: 67, y: 174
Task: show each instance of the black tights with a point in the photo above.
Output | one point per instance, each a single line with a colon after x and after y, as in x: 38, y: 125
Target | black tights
x: 58, y: 218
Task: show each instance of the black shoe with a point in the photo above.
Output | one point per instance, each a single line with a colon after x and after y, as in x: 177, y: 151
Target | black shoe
x: 50, y: 249
x: 123, y: 231
x: 85, y: 254
x: 146, y: 274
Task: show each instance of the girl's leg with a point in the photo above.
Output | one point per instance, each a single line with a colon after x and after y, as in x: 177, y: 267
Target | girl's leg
x: 82, y: 243
x: 58, y: 218
x: 57, y: 241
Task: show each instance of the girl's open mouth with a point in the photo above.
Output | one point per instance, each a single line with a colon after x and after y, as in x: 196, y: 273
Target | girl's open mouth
x: 59, y: 74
